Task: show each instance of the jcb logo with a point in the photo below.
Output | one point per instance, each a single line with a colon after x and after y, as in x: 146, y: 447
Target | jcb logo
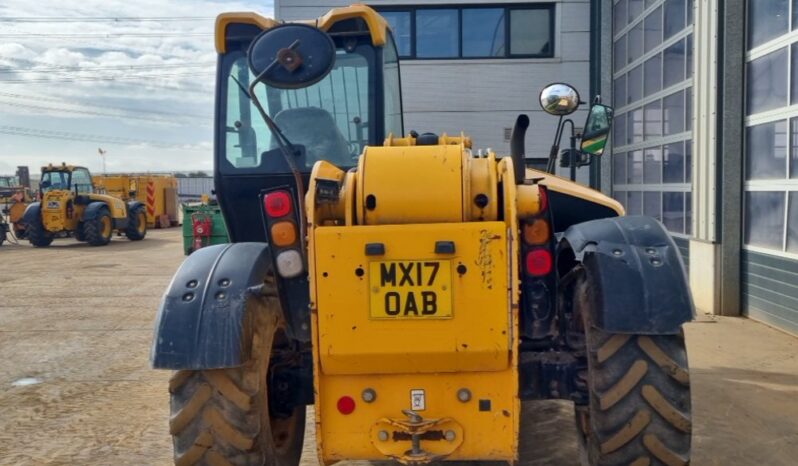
x: 410, y: 289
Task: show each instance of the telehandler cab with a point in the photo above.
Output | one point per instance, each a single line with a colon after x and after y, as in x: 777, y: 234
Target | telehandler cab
x: 411, y: 290
x: 70, y: 207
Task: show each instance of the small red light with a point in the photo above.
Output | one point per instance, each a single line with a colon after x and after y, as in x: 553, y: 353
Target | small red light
x: 277, y: 204
x: 544, y: 198
x: 538, y: 262
x: 346, y: 405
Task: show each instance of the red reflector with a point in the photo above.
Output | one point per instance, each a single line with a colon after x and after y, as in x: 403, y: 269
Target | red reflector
x: 538, y: 262
x: 544, y: 198
x: 277, y: 204
x: 346, y: 405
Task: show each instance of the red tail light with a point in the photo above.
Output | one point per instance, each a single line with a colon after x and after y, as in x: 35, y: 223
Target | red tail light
x: 277, y: 204
x: 544, y: 198
x: 539, y: 262
x: 346, y: 405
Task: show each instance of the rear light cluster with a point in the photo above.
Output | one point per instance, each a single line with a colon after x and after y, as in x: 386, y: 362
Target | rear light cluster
x: 283, y: 233
x: 537, y: 248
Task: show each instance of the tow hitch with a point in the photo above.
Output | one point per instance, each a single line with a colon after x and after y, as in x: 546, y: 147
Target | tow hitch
x: 441, y: 438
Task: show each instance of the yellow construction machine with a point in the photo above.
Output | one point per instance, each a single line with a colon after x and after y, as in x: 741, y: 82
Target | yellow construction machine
x: 69, y: 206
x: 413, y: 289
x: 14, y: 198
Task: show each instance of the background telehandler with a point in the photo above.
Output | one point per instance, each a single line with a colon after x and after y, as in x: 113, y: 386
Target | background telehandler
x: 70, y: 207
x: 413, y: 292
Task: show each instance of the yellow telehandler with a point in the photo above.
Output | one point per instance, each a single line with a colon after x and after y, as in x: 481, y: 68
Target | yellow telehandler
x: 411, y: 288
x: 70, y: 207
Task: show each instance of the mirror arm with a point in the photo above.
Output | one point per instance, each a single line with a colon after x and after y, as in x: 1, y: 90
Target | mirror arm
x: 555, y: 148
x: 287, y: 155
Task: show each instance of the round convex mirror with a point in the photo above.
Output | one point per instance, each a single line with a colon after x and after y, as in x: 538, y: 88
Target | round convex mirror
x: 559, y: 99
x: 291, y: 56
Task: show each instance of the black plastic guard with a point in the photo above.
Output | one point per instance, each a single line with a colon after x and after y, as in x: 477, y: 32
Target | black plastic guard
x: 133, y: 204
x: 92, y: 210
x: 33, y: 213
x: 203, y: 321
x: 641, y: 285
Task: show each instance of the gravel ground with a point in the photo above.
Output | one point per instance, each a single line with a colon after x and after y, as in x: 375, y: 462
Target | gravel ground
x: 76, y: 387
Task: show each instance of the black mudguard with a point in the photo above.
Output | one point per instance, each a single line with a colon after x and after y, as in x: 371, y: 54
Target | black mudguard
x: 133, y: 204
x: 204, y: 318
x: 641, y: 285
x: 33, y: 213
x: 92, y: 210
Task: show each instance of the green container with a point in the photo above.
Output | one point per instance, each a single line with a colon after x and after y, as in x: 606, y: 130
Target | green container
x: 201, y: 212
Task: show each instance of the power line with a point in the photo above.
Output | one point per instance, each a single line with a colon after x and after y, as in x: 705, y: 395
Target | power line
x: 106, y: 107
x: 115, y: 115
x: 83, y: 137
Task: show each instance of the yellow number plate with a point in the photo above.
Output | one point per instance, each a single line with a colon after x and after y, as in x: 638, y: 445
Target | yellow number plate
x: 410, y: 290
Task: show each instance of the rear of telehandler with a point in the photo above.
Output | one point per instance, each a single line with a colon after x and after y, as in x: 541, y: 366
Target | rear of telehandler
x: 69, y: 206
x: 414, y: 292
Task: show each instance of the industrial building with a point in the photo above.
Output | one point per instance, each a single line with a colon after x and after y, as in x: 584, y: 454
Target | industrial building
x: 706, y: 127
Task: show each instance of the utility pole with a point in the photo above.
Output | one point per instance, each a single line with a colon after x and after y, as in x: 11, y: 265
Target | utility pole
x: 102, y: 156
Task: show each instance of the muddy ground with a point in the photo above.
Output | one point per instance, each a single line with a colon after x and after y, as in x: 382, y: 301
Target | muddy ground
x: 76, y: 388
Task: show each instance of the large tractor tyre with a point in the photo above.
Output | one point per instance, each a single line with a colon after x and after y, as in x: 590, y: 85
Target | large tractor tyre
x: 37, y: 235
x: 136, y: 223
x: 79, y: 232
x: 639, y: 391
x: 98, y: 231
x: 221, y: 417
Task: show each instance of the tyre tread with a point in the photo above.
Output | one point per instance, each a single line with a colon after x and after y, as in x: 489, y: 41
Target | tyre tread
x: 639, y: 389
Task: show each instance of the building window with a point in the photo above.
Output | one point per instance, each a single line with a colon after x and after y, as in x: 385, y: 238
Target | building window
x: 485, y: 36
x: 401, y: 26
x: 472, y: 31
x: 652, y: 83
x: 771, y: 134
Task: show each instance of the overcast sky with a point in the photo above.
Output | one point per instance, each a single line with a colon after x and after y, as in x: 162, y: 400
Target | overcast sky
x: 78, y: 75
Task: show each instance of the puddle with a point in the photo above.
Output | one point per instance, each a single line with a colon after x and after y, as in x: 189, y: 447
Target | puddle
x: 25, y: 381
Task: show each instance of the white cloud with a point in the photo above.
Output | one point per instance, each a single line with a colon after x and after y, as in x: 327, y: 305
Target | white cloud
x: 84, y: 67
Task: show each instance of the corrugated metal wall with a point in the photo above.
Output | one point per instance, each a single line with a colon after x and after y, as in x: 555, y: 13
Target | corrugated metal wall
x: 684, y: 250
x: 770, y: 289
x: 483, y: 96
x: 194, y: 188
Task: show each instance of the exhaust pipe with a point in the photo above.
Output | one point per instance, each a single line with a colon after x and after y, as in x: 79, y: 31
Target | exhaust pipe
x: 517, y: 149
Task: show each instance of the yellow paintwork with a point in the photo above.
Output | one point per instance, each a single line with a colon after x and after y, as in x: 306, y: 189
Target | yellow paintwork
x: 57, y: 217
x: 476, y: 338
x: 60, y: 212
x: 424, y: 194
x: 158, y: 193
x: 562, y: 185
x: 528, y: 200
x: 433, y: 192
x: 378, y: 27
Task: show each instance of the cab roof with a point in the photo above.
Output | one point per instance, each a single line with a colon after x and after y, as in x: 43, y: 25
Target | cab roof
x: 61, y: 168
x: 378, y: 27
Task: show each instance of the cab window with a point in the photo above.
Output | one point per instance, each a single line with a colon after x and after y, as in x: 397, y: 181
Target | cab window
x: 54, y: 181
x: 330, y: 119
x: 81, y: 181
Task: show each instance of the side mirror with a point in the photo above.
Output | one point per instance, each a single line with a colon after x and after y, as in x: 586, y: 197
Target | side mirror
x: 597, y: 129
x: 559, y: 99
x: 291, y: 56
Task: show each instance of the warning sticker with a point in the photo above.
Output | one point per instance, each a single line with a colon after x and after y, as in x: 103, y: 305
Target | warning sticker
x: 418, y: 400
